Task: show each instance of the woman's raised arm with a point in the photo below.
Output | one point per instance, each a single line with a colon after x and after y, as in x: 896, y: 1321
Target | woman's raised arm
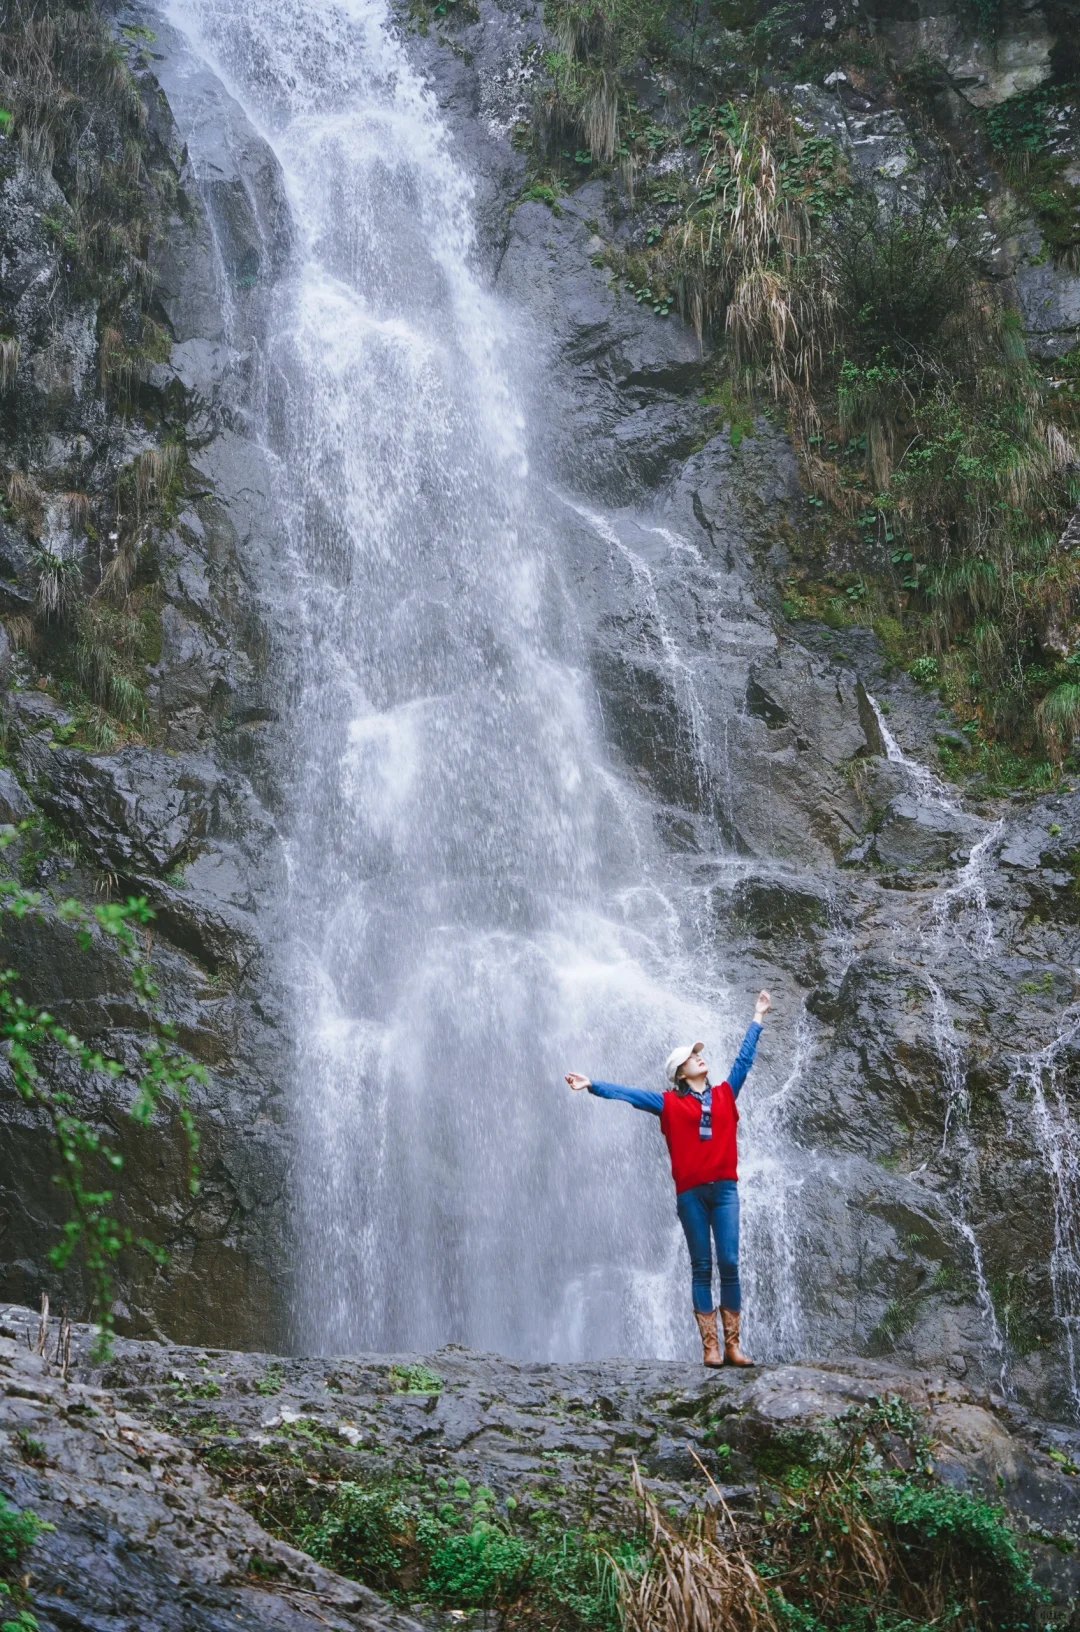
x: 745, y: 1057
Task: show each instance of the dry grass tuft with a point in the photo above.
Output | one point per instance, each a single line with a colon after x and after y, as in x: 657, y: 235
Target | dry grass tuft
x: 154, y: 472
x: 741, y: 256
x: 693, y: 1583
x: 114, y: 362
x: 58, y: 585
x: 119, y: 573
x: 77, y: 508
x: 27, y: 501
x: 21, y: 633
x: 52, y: 62
x: 10, y: 352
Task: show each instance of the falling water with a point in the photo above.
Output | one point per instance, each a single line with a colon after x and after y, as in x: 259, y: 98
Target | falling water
x: 477, y: 900
x: 962, y: 908
x: 958, y: 1145
x: 924, y: 784
x: 1058, y: 1142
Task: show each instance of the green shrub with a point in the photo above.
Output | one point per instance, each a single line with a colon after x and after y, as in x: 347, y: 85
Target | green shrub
x: 363, y: 1533
x: 960, y: 1538
x: 415, y: 1380
x: 925, y: 670
x: 902, y: 281
x: 18, y: 1532
x: 476, y: 1570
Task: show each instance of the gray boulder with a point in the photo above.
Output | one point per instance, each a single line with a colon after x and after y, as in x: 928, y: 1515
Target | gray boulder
x: 135, y: 811
x: 916, y: 833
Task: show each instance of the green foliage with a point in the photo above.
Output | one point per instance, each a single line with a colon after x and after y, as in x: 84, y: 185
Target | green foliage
x: 1022, y: 121
x: 925, y: 670
x: 923, y: 426
x: 581, y: 1575
x: 362, y: 1534
x: 23, y: 1622
x: 269, y: 1383
x: 411, y: 1544
x: 475, y: 1570
x: 87, y: 1161
x: 416, y: 1379
x: 986, y: 16
x: 902, y: 282
x: 1020, y: 132
x: 954, y: 1533
x: 852, y: 1542
x: 586, y: 97
x: 18, y: 1532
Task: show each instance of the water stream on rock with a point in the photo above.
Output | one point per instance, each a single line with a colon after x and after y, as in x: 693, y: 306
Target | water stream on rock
x: 477, y: 900
x: 1057, y: 1138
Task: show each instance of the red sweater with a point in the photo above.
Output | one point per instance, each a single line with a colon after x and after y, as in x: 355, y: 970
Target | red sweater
x: 695, y: 1160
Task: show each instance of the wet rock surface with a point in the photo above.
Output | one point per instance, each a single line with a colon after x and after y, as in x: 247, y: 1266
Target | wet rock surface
x: 121, y: 1459
x: 173, y: 817
x: 137, y: 1534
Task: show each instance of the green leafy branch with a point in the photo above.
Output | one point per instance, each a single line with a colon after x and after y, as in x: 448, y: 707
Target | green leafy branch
x: 164, y: 1074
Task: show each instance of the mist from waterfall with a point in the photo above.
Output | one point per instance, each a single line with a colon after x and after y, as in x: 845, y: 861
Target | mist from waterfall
x: 477, y: 899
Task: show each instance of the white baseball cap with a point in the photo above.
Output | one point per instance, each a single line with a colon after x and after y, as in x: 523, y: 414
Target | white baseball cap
x: 678, y: 1057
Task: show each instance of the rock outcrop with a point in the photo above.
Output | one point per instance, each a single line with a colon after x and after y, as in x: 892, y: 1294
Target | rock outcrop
x: 117, y: 1460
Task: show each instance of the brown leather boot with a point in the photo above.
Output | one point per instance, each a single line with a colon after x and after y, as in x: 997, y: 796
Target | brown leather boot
x: 733, y: 1355
x: 709, y: 1340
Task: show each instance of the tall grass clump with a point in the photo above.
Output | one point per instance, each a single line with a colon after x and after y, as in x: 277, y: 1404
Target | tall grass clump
x: 599, y: 42
x: 918, y: 416
x: 841, y: 1541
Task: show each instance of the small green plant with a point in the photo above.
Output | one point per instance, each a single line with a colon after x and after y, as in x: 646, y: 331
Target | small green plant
x: 19, y: 1529
x: 24, y: 1621
x: 476, y: 1570
x: 926, y: 671
x: 416, y: 1379
x: 164, y: 1074
x: 269, y: 1383
x: 32, y: 1450
x: 362, y: 1534
x: 937, y: 1526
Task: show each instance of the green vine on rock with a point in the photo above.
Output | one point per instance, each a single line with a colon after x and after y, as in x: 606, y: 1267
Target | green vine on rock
x: 164, y: 1074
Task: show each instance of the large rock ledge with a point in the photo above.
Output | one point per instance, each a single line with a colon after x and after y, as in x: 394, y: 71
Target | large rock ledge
x: 114, y: 1459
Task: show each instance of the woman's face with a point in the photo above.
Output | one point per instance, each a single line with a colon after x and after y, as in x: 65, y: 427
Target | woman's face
x: 695, y: 1070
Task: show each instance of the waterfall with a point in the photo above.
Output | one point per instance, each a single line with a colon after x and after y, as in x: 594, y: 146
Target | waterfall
x: 1057, y: 1139
x: 477, y: 897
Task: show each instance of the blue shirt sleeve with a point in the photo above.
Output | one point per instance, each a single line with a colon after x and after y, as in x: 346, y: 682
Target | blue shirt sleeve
x: 744, y: 1059
x: 643, y: 1099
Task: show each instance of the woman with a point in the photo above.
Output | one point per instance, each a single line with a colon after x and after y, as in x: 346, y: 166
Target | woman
x: 699, y: 1123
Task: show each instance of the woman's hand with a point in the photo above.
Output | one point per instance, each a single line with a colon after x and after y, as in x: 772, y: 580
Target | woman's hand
x: 577, y: 1081
x: 762, y: 1006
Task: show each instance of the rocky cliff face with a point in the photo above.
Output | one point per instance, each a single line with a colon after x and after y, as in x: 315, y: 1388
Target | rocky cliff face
x: 163, y: 807
x: 922, y: 948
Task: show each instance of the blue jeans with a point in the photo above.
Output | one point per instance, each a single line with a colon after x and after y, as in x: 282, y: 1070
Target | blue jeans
x: 716, y: 1207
